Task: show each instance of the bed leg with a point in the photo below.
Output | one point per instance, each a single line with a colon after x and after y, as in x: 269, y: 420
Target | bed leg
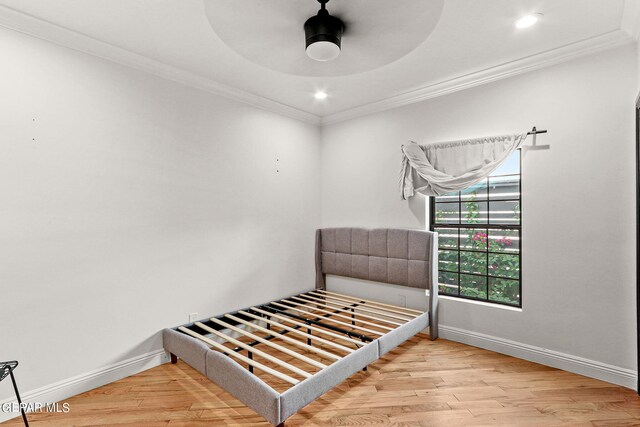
x: 365, y: 368
x: 309, y: 339
x: 174, y: 358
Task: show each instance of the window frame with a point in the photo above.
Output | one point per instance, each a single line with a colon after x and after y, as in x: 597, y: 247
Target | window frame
x: 485, y: 226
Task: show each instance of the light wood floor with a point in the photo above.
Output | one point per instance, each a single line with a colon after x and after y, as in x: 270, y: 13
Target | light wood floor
x: 421, y: 383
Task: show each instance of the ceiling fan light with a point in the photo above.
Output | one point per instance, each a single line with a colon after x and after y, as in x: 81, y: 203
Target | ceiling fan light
x: 323, y: 51
x: 323, y: 34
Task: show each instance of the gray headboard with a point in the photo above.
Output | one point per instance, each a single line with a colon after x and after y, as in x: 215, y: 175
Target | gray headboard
x: 388, y: 255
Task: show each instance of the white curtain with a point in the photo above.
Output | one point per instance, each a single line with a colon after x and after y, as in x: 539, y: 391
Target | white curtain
x: 438, y: 169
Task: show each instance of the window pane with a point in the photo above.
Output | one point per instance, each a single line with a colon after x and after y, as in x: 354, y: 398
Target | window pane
x: 507, y: 241
x: 450, y: 197
x: 505, y: 213
x: 448, y: 260
x: 504, y: 291
x: 504, y: 265
x: 447, y: 238
x: 447, y: 213
x: 473, y: 262
x: 474, y: 212
x: 504, y: 187
x: 448, y: 283
x: 473, y: 286
x: 510, y: 166
x: 475, y: 192
x: 473, y: 239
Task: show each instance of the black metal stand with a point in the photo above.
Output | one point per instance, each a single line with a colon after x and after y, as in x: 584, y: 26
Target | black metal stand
x: 6, y: 368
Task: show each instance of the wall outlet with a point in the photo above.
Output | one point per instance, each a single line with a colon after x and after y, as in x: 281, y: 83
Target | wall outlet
x: 402, y: 300
x: 193, y: 317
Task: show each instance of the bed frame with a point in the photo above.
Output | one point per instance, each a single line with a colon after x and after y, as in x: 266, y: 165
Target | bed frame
x: 321, y: 337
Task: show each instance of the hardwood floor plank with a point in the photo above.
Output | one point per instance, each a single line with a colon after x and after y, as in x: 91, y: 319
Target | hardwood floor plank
x: 617, y: 423
x: 421, y: 383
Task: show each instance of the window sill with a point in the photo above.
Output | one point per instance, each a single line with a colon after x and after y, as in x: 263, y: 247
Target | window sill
x: 486, y: 304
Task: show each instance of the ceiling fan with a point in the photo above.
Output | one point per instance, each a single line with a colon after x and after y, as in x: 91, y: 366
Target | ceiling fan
x: 323, y: 33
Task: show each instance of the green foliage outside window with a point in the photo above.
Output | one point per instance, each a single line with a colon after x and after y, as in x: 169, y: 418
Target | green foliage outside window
x: 486, y: 265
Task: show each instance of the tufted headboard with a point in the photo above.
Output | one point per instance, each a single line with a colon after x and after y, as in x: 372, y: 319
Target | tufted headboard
x: 388, y: 255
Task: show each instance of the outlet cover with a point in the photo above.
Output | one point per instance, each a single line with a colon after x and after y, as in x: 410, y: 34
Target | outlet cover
x: 402, y: 300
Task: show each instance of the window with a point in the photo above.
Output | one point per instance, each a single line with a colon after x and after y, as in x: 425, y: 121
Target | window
x: 479, y: 238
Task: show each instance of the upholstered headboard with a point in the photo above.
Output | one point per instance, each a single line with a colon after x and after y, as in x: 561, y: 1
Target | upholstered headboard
x: 388, y: 255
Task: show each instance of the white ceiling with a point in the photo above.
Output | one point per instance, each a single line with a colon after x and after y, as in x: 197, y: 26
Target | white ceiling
x: 270, y: 32
x: 474, y: 41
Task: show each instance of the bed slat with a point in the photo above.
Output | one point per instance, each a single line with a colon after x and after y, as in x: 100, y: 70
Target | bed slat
x: 296, y: 331
x: 342, y: 316
x: 246, y: 360
x: 304, y: 325
x: 286, y: 338
x: 380, y: 311
x: 254, y: 350
x: 270, y: 344
x: 347, y: 325
x: 307, y: 300
x: 346, y: 308
x: 418, y: 312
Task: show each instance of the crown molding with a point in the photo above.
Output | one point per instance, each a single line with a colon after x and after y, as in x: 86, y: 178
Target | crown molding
x: 530, y: 63
x: 32, y: 26
x: 631, y: 18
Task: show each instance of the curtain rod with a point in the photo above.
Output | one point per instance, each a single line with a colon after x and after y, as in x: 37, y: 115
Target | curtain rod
x: 535, y: 131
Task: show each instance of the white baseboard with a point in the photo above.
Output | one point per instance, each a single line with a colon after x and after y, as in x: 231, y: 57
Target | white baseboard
x: 579, y: 365
x: 64, y: 389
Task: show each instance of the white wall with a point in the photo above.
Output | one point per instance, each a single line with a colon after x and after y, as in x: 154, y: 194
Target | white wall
x: 578, y: 199
x: 128, y: 201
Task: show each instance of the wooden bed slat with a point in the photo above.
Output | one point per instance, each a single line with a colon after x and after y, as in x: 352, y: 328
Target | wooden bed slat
x: 270, y: 344
x: 296, y: 331
x: 376, y: 325
x: 317, y: 301
x: 418, y: 312
x: 246, y: 360
x: 364, y: 307
x: 344, y: 306
x: 254, y: 350
x: 346, y: 325
x: 286, y: 338
x: 395, y: 312
x: 311, y: 327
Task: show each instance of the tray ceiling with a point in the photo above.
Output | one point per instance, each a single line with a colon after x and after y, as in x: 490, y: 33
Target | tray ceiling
x: 472, y: 40
x: 270, y: 33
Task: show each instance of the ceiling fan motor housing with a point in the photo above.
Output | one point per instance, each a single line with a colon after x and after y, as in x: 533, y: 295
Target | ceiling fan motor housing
x: 323, y: 28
